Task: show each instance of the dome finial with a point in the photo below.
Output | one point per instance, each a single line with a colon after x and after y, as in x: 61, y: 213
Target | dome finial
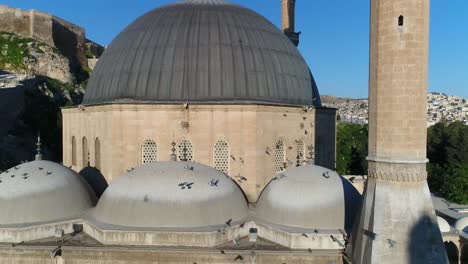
x: 39, y: 144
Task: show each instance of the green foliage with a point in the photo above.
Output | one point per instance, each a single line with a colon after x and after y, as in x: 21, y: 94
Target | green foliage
x: 13, y: 51
x: 351, y: 149
x: 447, y: 150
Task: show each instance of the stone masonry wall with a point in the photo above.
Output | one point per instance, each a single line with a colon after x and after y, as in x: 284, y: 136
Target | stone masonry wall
x: 70, y: 39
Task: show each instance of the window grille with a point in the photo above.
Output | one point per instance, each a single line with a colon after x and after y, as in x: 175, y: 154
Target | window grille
x: 300, y: 151
x: 279, y: 156
x: 149, y: 151
x: 221, y: 156
x: 97, y: 154
x: 185, y: 151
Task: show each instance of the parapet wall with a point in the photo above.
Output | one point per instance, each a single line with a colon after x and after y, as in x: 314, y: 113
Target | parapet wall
x: 70, y: 39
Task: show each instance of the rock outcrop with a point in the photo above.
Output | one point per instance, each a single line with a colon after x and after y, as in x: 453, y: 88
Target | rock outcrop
x: 27, y: 56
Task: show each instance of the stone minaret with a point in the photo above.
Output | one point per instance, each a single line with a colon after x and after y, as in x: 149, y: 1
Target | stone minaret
x: 288, y: 9
x: 397, y: 222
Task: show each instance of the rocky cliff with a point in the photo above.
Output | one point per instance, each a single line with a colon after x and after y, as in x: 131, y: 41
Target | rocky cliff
x: 27, y: 56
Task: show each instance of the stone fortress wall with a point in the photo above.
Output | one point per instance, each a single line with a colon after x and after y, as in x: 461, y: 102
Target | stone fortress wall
x: 70, y: 39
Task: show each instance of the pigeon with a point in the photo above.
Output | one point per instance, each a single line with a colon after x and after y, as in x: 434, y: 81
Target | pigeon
x: 316, y: 231
x: 239, y: 257
x: 304, y: 235
x: 306, y: 132
x: 352, y: 179
x: 285, y: 115
x: 290, y: 148
x: 12, y: 176
x: 182, y: 184
x: 310, y: 251
x: 189, y: 167
x: 49, y: 173
x: 337, y: 241
x: 241, y: 160
x: 24, y: 174
x: 391, y: 242
x: 233, y: 158
x: 40, y: 168
x: 222, y: 252
x: 304, y: 118
x: 370, y: 234
x: 242, y: 225
x: 228, y: 223
x: 235, y: 242
x: 326, y: 174
x: 214, y: 183
x: 241, y: 178
x: 189, y: 185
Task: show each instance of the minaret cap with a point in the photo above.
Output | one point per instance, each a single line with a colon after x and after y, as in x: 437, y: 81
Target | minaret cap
x: 38, y: 149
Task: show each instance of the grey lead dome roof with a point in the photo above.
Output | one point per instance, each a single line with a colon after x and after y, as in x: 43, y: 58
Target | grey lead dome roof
x: 202, y: 51
x: 303, y: 197
x: 155, y: 195
x: 42, y: 191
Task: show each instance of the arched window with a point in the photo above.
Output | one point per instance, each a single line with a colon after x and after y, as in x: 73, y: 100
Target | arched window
x: 185, y: 150
x: 97, y: 154
x: 85, y: 153
x: 300, y: 152
x: 149, y: 151
x: 73, y: 151
x: 221, y: 156
x: 279, y: 156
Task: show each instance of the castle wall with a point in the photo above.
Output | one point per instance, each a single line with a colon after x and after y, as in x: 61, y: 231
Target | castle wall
x: 251, y: 132
x: 70, y: 39
x: 15, y: 20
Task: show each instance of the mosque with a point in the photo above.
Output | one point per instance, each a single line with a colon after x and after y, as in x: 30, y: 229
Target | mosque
x: 206, y: 123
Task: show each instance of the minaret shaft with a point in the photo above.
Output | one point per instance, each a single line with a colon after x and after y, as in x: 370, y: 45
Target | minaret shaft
x: 397, y: 222
x: 288, y: 15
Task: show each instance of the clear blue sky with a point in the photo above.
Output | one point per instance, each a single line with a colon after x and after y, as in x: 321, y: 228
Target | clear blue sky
x: 334, y: 40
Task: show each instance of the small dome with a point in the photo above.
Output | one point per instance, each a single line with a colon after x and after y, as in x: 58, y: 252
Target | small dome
x: 173, y: 195
x: 202, y: 51
x: 308, y: 197
x: 462, y: 225
x: 443, y: 225
x: 42, y: 191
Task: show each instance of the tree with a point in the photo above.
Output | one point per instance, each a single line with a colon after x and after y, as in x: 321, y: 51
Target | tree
x: 351, y: 149
x: 447, y: 150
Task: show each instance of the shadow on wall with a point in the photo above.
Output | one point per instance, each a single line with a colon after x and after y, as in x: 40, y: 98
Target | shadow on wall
x: 353, y: 200
x: 70, y: 46
x: 464, y: 254
x: 425, y: 242
x: 452, y: 252
x: 95, y: 179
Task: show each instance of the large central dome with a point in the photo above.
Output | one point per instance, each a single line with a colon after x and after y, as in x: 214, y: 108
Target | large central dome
x: 201, y: 51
